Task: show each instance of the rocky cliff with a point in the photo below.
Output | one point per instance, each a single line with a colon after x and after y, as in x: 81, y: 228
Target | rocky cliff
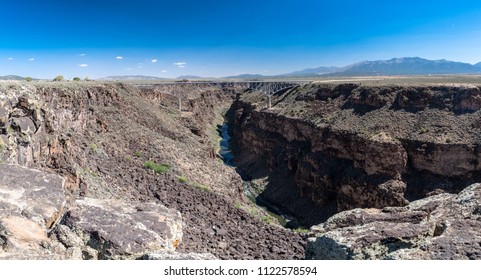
x: 328, y: 148
x: 124, y: 174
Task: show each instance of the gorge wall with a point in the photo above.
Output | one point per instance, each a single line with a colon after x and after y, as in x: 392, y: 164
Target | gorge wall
x: 329, y: 148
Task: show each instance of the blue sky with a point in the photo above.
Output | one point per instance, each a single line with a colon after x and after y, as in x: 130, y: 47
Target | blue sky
x: 98, y: 38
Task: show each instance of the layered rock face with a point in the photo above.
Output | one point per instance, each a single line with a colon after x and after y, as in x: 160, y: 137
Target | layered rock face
x: 329, y: 148
x: 444, y: 226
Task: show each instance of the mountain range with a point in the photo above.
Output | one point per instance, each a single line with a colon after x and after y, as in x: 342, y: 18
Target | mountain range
x: 12, y: 77
x: 394, y: 66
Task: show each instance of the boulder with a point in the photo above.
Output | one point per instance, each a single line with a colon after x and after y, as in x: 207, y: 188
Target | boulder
x: 31, y: 203
x: 445, y: 226
x: 31, y: 193
x: 116, y: 229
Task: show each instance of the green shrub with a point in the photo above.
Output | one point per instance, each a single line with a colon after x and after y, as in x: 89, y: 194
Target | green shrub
x: 157, y: 168
x: 28, y: 79
x: 268, y: 219
x: 76, y: 79
x: 93, y: 147
x: 59, y: 78
x: 128, y: 158
x: 138, y: 154
x: 182, y: 179
x: 201, y: 187
x: 301, y: 230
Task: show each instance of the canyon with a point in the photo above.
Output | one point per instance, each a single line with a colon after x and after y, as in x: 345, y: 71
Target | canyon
x: 110, y: 170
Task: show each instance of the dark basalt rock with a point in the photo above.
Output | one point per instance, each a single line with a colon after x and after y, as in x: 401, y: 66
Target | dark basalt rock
x: 444, y: 226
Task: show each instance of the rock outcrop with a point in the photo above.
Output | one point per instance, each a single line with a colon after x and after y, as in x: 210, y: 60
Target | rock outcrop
x: 114, y: 229
x: 37, y: 222
x: 444, y: 226
x: 31, y: 204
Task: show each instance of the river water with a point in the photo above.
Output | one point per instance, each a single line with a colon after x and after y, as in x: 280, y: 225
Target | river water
x: 248, y: 187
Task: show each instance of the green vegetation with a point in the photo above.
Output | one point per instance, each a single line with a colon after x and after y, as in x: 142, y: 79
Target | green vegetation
x: 93, y: 147
x: 268, y: 220
x: 157, y: 168
x: 28, y: 79
x: 76, y: 79
x: 182, y: 179
x: 301, y: 230
x: 237, y: 205
x: 85, y: 171
x: 128, y: 158
x: 138, y: 154
x: 201, y: 187
x: 87, y: 79
x: 59, y: 78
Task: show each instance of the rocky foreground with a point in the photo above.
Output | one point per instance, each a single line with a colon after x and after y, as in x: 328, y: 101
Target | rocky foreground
x: 441, y: 227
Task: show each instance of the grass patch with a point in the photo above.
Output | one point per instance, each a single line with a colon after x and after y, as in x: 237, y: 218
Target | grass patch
x: 157, y: 168
x: 237, y: 205
x: 138, y: 154
x: 182, y: 179
x: 128, y: 158
x: 301, y: 230
x: 268, y: 220
x: 201, y: 187
x: 94, y: 147
x: 85, y: 171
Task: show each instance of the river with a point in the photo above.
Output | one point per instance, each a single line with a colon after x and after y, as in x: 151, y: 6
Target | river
x: 248, y: 188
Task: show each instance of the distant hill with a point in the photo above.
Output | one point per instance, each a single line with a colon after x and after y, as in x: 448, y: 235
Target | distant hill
x: 130, y: 78
x: 246, y: 76
x: 189, y: 77
x: 12, y: 77
x: 312, y: 72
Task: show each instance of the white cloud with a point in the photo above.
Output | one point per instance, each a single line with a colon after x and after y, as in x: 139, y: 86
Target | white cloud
x: 164, y: 71
x: 32, y: 59
x: 153, y: 60
x: 82, y: 54
x: 128, y: 69
x: 83, y: 65
x: 119, y: 57
x: 180, y: 64
x: 10, y: 58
